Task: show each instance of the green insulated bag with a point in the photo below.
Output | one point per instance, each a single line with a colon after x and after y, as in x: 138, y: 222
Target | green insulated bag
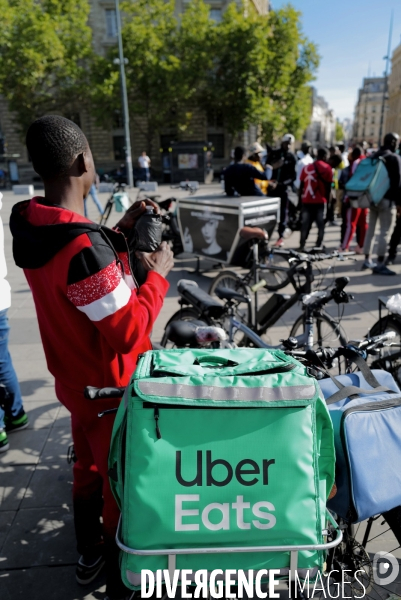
x: 215, y: 449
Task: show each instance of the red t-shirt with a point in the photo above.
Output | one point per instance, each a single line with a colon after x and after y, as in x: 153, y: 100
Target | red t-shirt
x: 315, y: 176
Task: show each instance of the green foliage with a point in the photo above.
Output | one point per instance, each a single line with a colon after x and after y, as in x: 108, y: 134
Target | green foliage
x: 263, y: 66
x: 339, y: 133
x: 45, y: 48
x: 167, y: 60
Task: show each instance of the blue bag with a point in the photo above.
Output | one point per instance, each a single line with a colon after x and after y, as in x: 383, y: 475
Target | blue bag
x: 367, y: 432
x: 369, y: 183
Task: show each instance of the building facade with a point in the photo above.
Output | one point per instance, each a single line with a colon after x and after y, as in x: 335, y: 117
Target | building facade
x: 108, y: 144
x: 393, y: 114
x: 322, y: 127
x: 370, y: 111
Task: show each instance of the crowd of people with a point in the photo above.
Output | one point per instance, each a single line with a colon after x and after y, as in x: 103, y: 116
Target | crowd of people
x: 311, y: 185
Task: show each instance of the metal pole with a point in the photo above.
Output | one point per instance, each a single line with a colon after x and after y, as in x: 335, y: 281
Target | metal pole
x: 386, y: 75
x: 128, y: 155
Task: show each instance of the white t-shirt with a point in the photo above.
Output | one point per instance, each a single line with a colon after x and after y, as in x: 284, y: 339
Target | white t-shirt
x: 5, y: 290
x: 304, y: 159
x: 144, y: 162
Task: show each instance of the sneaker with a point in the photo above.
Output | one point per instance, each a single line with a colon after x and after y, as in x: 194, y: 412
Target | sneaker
x: 16, y: 423
x: 381, y: 269
x: 358, y: 250
x: 4, y: 445
x: 368, y: 264
x: 287, y: 232
x: 279, y: 243
x: 88, y: 569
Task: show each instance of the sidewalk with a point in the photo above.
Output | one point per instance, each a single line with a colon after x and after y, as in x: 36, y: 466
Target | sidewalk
x: 37, y: 545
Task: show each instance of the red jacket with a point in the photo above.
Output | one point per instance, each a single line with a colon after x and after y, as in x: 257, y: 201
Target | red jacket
x: 93, y: 320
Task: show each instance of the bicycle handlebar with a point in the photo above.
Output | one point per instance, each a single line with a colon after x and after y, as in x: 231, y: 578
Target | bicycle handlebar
x: 365, y: 347
x: 316, y: 257
x: 94, y: 393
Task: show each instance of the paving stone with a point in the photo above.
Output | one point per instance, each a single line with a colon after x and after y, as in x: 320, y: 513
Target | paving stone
x: 6, y: 519
x: 56, y: 446
x: 25, y: 447
x: 44, y: 583
x: 39, y: 537
x: 25, y: 330
x: 13, y: 483
x: 42, y: 409
x: 37, y: 388
x: 50, y: 485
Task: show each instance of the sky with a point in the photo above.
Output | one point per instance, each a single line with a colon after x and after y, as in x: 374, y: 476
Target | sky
x: 352, y: 38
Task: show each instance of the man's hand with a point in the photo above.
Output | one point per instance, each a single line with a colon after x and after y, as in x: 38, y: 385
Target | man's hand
x: 161, y: 261
x: 134, y: 212
x: 272, y: 184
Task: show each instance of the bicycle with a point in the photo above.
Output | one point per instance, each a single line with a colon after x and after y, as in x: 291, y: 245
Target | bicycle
x: 351, y: 558
x: 117, y: 192
x: 389, y: 358
x: 204, y: 307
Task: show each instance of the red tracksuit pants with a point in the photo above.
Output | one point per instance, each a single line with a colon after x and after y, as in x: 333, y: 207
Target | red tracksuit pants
x: 92, y: 496
x: 356, y: 219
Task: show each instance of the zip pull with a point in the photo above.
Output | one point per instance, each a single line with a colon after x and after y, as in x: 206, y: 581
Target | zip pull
x: 156, y: 413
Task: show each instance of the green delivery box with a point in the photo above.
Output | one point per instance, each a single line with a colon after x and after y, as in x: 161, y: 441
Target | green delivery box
x: 215, y: 449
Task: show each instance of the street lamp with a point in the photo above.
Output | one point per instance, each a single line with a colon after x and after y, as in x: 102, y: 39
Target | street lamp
x: 122, y: 62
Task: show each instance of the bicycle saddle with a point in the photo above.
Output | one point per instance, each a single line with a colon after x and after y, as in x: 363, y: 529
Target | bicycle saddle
x: 253, y: 233
x: 208, y: 306
x: 225, y: 293
x: 182, y: 333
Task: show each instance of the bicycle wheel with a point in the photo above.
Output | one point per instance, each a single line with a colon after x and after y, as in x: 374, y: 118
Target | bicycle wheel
x: 188, y: 313
x: 354, y: 560
x: 390, y: 357
x: 327, y: 333
x: 233, y: 281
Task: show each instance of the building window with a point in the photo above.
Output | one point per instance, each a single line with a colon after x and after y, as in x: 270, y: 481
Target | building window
x: 118, y: 120
x: 215, y: 118
x: 111, y: 23
x: 215, y: 14
x: 217, y: 141
x: 119, y: 147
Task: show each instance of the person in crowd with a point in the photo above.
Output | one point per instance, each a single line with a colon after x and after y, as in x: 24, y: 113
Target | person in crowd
x: 93, y: 192
x: 304, y: 156
x: 283, y: 162
x: 344, y: 154
x: 314, y: 193
x: 12, y: 414
x: 144, y: 164
x: 385, y: 211
x: 239, y: 177
x: 255, y: 159
x: 336, y: 163
x: 94, y: 321
x: 355, y: 217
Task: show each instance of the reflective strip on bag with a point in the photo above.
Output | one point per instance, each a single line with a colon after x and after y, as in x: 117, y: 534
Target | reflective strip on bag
x: 210, y: 392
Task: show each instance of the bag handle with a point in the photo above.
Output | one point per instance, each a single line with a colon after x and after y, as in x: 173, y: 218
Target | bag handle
x: 352, y: 390
x: 214, y: 362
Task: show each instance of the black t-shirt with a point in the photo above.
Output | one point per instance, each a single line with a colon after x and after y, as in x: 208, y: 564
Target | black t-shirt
x: 393, y: 165
x: 286, y: 173
x: 239, y: 177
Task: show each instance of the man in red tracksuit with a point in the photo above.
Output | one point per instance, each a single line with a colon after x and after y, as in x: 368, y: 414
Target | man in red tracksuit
x: 93, y: 319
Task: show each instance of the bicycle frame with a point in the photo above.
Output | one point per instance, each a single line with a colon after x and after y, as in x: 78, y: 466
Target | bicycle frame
x: 305, y: 340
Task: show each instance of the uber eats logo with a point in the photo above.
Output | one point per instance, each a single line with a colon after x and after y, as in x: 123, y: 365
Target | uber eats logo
x: 208, y: 471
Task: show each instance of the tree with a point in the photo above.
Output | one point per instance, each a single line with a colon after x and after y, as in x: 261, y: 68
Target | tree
x: 262, y: 68
x: 166, y: 64
x: 339, y: 133
x: 45, y: 49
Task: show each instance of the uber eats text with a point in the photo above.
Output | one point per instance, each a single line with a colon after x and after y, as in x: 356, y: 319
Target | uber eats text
x: 190, y: 512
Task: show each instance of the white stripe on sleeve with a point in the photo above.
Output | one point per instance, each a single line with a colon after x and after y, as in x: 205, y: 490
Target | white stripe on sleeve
x: 109, y: 304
